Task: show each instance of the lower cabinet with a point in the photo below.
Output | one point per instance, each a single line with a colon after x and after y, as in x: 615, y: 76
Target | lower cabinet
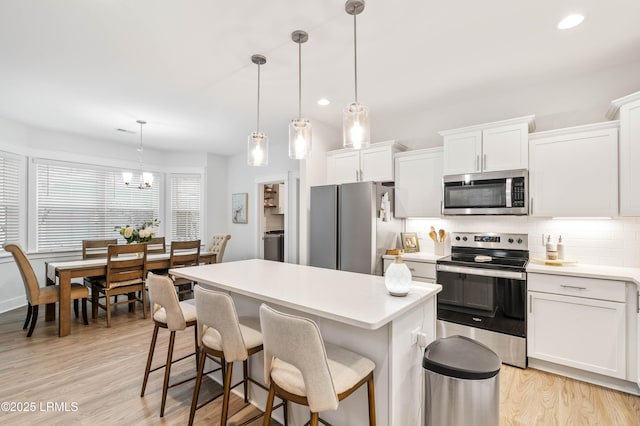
x: 566, y: 328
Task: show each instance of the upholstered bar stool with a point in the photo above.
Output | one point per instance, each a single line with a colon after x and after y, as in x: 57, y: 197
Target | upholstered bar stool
x: 303, y: 369
x: 167, y: 312
x: 222, y: 334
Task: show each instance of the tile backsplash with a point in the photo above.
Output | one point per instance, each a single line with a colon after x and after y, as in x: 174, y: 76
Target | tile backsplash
x: 614, y: 242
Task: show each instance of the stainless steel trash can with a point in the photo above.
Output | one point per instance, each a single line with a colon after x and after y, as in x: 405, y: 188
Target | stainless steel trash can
x: 462, y: 383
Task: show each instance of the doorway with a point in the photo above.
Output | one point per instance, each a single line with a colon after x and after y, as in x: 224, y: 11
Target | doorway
x: 273, y: 218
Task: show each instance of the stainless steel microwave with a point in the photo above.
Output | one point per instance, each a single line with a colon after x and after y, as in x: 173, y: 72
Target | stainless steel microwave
x: 499, y: 193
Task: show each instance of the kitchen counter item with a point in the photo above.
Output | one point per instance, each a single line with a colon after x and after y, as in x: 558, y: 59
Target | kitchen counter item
x: 553, y: 262
x: 461, y: 383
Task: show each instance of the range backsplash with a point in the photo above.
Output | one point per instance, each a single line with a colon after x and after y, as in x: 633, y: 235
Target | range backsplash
x: 614, y: 242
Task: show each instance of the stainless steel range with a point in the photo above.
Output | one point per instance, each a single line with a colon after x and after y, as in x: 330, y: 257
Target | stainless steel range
x: 484, y: 289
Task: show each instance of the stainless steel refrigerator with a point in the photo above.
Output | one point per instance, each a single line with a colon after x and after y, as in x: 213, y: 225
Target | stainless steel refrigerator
x: 346, y: 231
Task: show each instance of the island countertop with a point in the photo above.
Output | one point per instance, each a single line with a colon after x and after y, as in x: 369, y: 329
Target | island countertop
x: 359, y: 300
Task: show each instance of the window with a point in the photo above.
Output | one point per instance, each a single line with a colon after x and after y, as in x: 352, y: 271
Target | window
x: 10, y: 168
x: 77, y: 201
x: 186, y: 195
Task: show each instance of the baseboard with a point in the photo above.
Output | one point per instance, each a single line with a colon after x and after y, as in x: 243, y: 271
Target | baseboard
x: 11, y: 304
x: 586, y: 376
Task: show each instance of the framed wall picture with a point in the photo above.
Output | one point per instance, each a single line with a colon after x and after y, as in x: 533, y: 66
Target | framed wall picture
x: 239, y: 207
x: 410, y: 242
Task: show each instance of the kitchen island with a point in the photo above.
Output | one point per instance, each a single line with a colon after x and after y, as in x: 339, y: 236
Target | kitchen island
x: 352, y: 310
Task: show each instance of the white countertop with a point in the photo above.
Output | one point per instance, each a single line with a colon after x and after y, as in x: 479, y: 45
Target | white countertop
x: 360, y: 300
x: 619, y: 273
x: 418, y: 257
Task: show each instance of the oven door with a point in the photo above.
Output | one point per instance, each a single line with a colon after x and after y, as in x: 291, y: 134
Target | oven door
x: 485, y: 298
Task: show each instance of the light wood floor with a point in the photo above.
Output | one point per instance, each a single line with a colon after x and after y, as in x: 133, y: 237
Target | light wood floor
x: 101, y: 369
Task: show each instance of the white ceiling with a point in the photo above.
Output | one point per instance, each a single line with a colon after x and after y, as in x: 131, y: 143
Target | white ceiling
x: 91, y: 66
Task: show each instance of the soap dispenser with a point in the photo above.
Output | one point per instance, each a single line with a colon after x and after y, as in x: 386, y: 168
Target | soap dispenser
x: 560, y: 248
x: 552, y: 251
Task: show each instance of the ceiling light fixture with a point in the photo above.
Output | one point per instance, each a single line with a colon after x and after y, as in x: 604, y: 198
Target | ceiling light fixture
x: 323, y: 102
x: 570, y: 21
x: 258, y: 142
x: 300, y: 128
x: 355, y: 119
x: 146, y: 178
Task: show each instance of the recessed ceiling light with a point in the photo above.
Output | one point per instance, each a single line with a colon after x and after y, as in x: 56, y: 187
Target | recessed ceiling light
x: 324, y: 102
x: 570, y: 22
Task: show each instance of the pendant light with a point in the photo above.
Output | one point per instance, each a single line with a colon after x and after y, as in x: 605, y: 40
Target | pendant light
x: 146, y: 178
x: 355, y: 119
x: 258, y: 142
x: 300, y: 128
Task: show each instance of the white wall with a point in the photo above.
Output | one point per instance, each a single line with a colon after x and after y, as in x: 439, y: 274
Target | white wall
x: 583, y: 99
x: 614, y: 242
x: 242, y: 178
x: 218, y: 203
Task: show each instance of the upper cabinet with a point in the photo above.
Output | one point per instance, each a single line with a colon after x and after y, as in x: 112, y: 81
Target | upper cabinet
x: 418, y: 183
x: 374, y: 163
x: 502, y: 145
x: 628, y: 111
x: 573, y: 172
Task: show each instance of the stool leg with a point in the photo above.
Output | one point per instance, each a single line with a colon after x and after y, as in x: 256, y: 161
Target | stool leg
x: 196, y: 390
x: 285, y: 409
x: 269, y: 406
x: 29, y: 311
x: 152, y: 348
x: 167, y: 370
x: 108, y: 305
x: 227, y: 392
x: 195, y: 335
x: 75, y: 307
x: 372, y: 401
x: 94, y: 301
x: 245, y: 375
x: 314, y: 419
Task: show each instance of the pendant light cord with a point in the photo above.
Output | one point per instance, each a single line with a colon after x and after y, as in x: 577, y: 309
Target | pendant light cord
x: 299, y: 80
x: 355, y: 55
x: 258, y: 115
x: 140, y: 149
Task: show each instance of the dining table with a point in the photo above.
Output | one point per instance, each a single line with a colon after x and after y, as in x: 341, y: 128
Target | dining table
x: 96, y: 267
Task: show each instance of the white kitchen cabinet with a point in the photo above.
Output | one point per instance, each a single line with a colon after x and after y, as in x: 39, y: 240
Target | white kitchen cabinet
x: 574, y: 172
x: 281, y: 196
x: 501, y: 145
x: 374, y: 163
x: 566, y: 328
x: 628, y: 110
x: 418, y: 183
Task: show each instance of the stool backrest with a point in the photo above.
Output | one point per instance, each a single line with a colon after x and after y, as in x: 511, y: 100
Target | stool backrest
x: 216, y: 309
x: 162, y: 294
x: 297, y: 341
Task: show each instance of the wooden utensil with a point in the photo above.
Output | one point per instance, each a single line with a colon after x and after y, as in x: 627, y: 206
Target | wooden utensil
x: 442, y: 234
x: 433, y: 235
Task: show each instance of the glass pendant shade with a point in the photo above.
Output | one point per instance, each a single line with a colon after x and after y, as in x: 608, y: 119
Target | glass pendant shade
x: 258, y: 149
x: 356, y: 126
x: 147, y: 179
x: 299, y: 139
x: 397, y: 278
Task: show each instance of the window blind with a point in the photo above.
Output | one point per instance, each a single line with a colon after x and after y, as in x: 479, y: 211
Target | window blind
x: 186, y: 190
x: 9, y: 199
x: 77, y: 202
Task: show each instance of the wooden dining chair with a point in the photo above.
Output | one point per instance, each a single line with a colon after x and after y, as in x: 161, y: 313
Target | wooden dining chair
x: 126, y: 271
x: 184, y: 253
x: 95, y: 249
x: 37, y: 295
x: 156, y: 245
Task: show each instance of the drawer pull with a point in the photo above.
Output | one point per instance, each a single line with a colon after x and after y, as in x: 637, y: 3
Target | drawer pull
x: 573, y: 286
x: 412, y: 269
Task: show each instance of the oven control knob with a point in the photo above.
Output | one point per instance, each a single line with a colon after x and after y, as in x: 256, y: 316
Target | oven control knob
x: 464, y: 238
x: 457, y: 238
x: 519, y: 240
x: 510, y: 240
